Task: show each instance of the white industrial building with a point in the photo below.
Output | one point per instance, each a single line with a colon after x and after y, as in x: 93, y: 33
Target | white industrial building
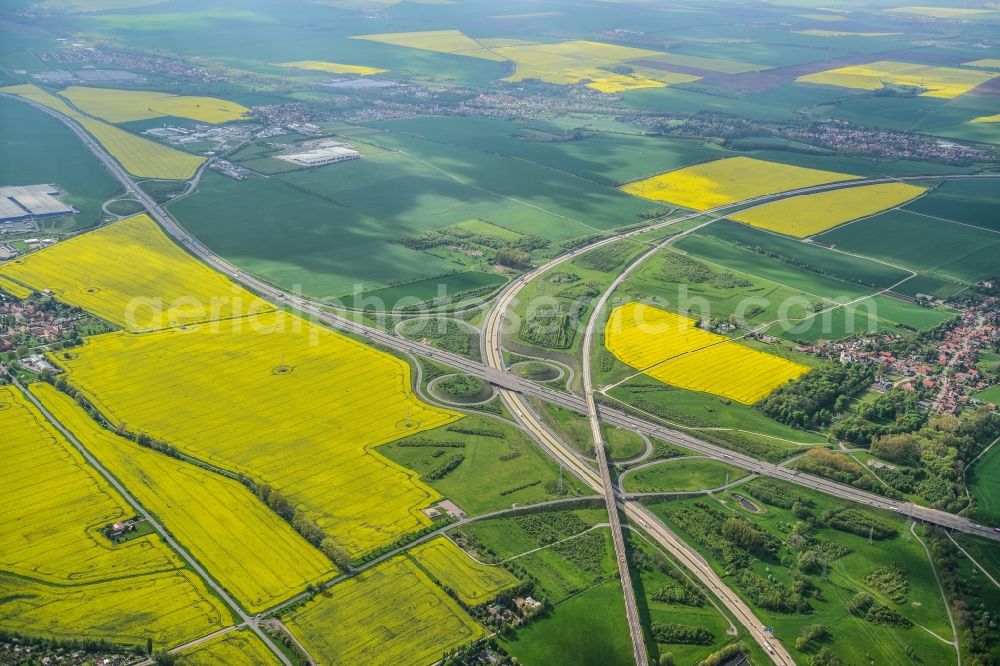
x: 320, y: 153
x: 25, y: 201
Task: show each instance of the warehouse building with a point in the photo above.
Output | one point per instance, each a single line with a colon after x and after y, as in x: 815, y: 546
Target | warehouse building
x: 28, y: 201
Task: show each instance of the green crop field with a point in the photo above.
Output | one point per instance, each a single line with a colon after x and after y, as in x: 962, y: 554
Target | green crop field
x: 967, y: 201
x: 838, y: 265
x: 984, y: 483
x: 572, y: 199
x: 432, y: 288
x: 934, y: 246
x: 606, y: 158
x: 709, y: 288
x: 327, y: 249
x: 683, y: 474
x: 500, y: 465
x: 29, y: 138
x: 587, y: 630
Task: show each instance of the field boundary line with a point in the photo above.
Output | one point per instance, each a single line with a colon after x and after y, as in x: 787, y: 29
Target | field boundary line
x: 945, y: 219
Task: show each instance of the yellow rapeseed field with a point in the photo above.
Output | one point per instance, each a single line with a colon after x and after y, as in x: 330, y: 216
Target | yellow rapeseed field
x: 937, y: 12
x: 720, y: 182
x: 810, y: 214
x: 391, y: 614
x: 280, y: 400
x: 35, y: 94
x: 823, y: 18
x: 987, y: 63
x: 841, y: 33
x: 56, y: 504
x: 565, y: 63
x: 236, y: 648
x: 15, y: 289
x: 450, y: 566
x: 131, y: 274
x: 245, y: 546
x: 172, y: 608
x: 439, y: 41
x: 940, y: 82
x: 139, y: 156
x: 616, y: 83
x: 669, y: 347
x: 122, y: 106
x: 575, y: 61
x: 332, y: 67
x: 981, y: 119
x: 59, y: 576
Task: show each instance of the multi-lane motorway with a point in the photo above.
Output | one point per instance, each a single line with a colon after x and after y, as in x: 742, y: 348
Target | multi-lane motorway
x: 513, y: 389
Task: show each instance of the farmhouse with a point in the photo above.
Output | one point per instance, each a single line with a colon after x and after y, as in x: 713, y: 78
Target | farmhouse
x: 26, y: 201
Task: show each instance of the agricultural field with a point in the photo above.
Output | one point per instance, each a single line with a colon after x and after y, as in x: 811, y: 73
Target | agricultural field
x: 684, y: 474
x: 171, y: 607
x: 984, y: 484
x: 213, y: 516
x: 764, y: 289
x: 938, y: 12
x: 721, y: 182
x: 440, y: 41
x: 500, y: 465
x: 570, y: 556
x: 160, y: 285
x: 934, y: 246
x: 390, y: 614
x: 604, y: 157
x: 970, y: 202
x: 325, y: 248
x: 236, y: 648
x: 13, y: 288
x: 452, y: 568
x: 139, y: 156
x: 938, y: 82
x: 243, y: 366
x: 61, y: 577
x: 27, y: 137
x: 333, y: 67
x: 673, y: 349
x: 810, y: 214
x: 587, y: 630
x: 69, y: 504
x: 575, y: 61
x: 122, y: 106
x: 581, y: 61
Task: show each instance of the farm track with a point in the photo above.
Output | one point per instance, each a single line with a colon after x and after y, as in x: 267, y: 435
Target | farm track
x: 511, y: 389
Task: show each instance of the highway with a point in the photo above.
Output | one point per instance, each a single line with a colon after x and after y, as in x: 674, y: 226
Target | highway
x: 512, y: 389
x: 636, y: 512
